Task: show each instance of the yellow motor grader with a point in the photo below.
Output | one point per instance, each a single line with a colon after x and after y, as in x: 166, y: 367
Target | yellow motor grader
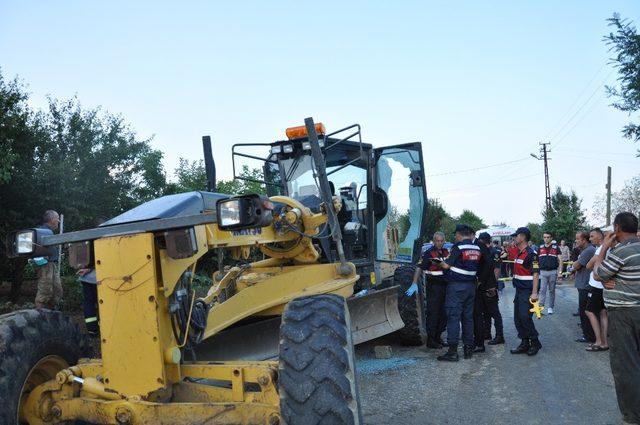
x: 170, y: 357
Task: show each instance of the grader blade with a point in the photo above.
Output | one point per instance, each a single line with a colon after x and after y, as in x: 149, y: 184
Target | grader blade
x: 374, y: 314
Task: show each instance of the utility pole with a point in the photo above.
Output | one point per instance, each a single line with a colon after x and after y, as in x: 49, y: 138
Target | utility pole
x: 608, y: 196
x: 544, y: 151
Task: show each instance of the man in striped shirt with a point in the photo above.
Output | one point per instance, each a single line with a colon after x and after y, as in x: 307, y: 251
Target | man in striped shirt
x: 618, y: 267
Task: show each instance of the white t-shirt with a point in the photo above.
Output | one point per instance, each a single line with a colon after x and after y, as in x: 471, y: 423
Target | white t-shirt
x: 592, y: 281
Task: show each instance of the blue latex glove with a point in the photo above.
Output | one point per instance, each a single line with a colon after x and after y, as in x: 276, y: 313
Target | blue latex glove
x: 412, y: 290
x: 40, y: 261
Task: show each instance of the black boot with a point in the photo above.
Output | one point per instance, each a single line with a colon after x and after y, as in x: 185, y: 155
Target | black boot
x: 468, y: 351
x: 432, y: 342
x: 535, y: 347
x: 499, y: 339
x: 479, y: 349
x: 450, y: 356
x: 522, y: 348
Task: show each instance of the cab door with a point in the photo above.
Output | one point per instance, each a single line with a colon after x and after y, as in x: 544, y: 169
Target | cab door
x: 400, y: 202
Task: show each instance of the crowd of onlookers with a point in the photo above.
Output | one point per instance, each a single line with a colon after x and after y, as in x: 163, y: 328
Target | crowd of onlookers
x: 605, y: 266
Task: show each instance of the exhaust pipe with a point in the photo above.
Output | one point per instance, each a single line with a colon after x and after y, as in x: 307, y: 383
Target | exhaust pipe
x: 209, y: 164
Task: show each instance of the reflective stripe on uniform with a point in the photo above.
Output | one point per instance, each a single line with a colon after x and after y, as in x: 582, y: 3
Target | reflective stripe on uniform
x: 90, y: 319
x: 476, y: 247
x: 434, y: 273
x: 521, y: 277
x: 462, y: 271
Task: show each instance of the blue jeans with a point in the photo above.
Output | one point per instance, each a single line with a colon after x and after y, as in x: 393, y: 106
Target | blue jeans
x: 459, y: 306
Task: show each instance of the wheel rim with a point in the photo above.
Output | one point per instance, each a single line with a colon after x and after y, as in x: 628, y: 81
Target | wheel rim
x: 44, y: 370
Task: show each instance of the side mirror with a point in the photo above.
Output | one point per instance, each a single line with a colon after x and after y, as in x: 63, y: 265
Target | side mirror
x: 244, y: 212
x: 27, y: 243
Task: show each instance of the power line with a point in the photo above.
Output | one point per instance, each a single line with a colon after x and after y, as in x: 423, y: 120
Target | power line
x: 458, y: 189
x: 599, y: 152
x: 476, y: 168
x: 585, y: 103
x: 586, y: 114
x: 584, y: 90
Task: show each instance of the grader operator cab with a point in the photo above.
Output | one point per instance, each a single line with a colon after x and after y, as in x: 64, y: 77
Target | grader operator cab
x: 382, y: 194
x: 159, y: 363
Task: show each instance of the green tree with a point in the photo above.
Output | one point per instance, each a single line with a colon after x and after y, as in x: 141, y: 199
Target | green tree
x: 565, y: 217
x: 191, y: 175
x: 438, y: 219
x: 470, y: 218
x: 626, y: 199
x: 536, y: 232
x: 84, y: 163
x: 625, y: 43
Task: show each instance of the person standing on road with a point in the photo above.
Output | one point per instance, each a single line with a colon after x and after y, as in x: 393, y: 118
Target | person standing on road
x: 565, y: 255
x: 512, y: 252
x: 525, y: 280
x: 49, y: 286
x: 504, y: 255
x: 461, y: 269
x: 620, y: 273
x: 486, y: 300
x: 587, y: 251
x: 435, y: 289
x: 548, y: 254
x: 595, y: 310
x: 89, y: 284
x: 496, y: 252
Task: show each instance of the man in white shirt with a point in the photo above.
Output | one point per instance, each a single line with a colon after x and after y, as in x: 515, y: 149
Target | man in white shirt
x: 595, y: 302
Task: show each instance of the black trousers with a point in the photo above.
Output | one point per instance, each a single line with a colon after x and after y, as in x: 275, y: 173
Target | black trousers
x: 486, y: 308
x: 522, y: 317
x: 624, y: 340
x: 587, y: 330
x: 90, y: 306
x: 436, y: 291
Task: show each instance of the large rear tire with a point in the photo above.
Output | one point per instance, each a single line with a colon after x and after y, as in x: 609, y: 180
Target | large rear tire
x: 34, y: 346
x: 412, y: 309
x: 317, y: 376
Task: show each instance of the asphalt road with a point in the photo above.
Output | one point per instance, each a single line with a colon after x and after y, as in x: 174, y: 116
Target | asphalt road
x: 563, y: 384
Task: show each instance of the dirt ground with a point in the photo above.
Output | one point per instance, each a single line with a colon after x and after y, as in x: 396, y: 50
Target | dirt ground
x: 563, y: 384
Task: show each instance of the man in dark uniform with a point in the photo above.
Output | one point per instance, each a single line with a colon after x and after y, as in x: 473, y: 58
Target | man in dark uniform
x: 461, y: 269
x: 496, y: 251
x: 486, y: 300
x: 435, y: 289
x: 525, y: 280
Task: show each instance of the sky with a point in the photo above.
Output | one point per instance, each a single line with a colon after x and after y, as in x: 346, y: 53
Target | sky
x: 480, y: 84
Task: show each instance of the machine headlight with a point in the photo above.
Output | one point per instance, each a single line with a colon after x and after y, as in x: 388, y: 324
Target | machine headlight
x: 306, y: 146
x: 229, y: 213
x: 24, y: 241
x: 28, y: 243
x: 276, y: 149
x: 244, y: 212
x: 287, y: 148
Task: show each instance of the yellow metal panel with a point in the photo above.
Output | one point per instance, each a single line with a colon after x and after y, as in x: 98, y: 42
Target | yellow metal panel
x: 132, y: 346
x: 291, y: 282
